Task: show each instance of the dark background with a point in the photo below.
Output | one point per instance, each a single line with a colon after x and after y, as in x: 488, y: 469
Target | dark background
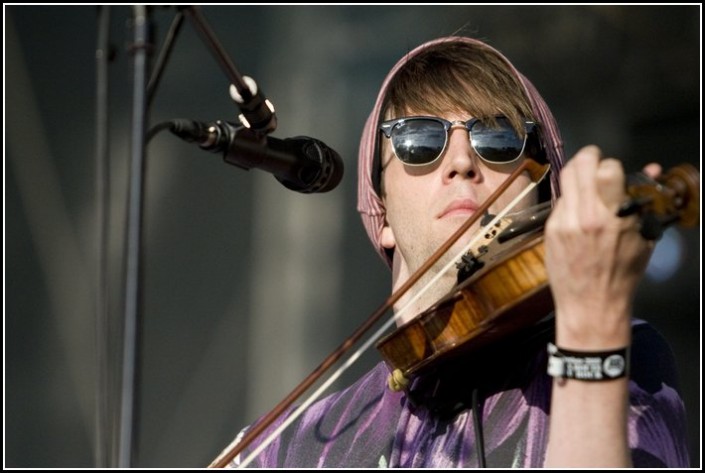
x: 247, y: 285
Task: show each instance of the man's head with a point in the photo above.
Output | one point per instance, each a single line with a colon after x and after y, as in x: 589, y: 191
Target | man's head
x: 455, y: 79
x: 459, y: 77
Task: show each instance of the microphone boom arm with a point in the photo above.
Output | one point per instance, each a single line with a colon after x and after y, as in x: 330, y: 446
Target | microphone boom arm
x: 257, y: 111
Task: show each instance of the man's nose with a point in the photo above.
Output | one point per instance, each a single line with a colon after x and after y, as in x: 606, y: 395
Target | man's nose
x: 460, y: 159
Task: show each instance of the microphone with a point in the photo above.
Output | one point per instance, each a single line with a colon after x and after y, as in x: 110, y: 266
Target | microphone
x: 301, y: 163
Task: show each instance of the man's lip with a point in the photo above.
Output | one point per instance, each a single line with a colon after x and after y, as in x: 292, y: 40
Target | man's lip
x: 457, y: 207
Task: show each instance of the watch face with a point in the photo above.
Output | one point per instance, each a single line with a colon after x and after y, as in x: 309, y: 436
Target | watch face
x: 614, y: 365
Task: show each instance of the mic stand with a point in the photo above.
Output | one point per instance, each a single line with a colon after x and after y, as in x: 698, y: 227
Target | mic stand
x: 164, y: 55
x: 218, y: 51
x: 142, y: 95
x: 104, y: 422
x: 130, y: 369
x: 257, y: 112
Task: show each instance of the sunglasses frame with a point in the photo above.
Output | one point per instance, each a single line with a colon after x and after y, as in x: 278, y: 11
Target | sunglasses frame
x: 388, y: 127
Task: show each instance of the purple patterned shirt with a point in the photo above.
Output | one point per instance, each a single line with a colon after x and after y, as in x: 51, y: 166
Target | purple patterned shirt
x: 436, y: 423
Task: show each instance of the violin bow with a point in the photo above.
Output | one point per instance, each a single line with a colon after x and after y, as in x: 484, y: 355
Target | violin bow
x: 536, y: 173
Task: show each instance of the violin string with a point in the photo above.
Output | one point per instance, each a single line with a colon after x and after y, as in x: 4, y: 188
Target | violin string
x: 378, y: 334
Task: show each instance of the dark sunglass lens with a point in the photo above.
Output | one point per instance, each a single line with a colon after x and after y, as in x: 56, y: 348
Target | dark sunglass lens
x: 497, y: 144
x: 418, y: 141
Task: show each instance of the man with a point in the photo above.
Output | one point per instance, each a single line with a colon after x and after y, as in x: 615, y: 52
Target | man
x: 453, y: 119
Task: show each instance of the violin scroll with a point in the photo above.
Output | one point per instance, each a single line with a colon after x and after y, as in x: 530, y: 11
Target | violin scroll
x: 673, y: 198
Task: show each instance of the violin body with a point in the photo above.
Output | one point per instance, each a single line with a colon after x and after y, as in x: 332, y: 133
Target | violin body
x: 511, y: 291
x: 509, y: 294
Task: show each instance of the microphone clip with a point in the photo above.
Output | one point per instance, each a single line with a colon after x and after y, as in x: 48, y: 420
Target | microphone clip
x: 257, y: 111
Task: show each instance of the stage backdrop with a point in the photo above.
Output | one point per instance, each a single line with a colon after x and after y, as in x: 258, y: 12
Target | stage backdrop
x: 246, y: 284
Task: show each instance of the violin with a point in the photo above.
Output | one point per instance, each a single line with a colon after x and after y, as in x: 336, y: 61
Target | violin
x: 510, y: 290
x: 506, y: 292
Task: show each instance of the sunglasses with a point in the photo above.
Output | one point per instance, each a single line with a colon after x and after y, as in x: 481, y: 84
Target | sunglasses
x: 418, y: 141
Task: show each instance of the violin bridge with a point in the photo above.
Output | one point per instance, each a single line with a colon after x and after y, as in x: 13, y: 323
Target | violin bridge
x: 471, y: 261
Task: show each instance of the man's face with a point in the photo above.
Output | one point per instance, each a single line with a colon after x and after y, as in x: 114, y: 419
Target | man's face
x: 426, y: 205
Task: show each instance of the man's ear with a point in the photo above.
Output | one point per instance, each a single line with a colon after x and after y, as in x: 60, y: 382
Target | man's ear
x: 387, y: 237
